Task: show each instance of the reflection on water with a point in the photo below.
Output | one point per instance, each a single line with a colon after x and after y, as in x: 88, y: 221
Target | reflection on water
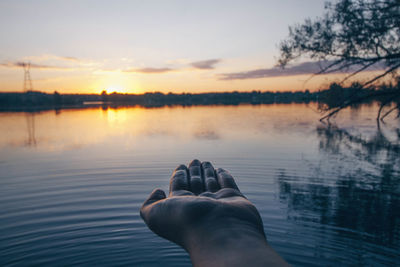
x: 69, y: 129
x: 72, y: 181
x: 361, y: 203
x: 373, y: 150
x: 30, y: 121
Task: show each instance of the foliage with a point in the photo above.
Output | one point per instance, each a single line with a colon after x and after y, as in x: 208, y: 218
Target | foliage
x: 352, y: 36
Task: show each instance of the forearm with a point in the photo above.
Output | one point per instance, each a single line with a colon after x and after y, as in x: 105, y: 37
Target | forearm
x: 233, y: 247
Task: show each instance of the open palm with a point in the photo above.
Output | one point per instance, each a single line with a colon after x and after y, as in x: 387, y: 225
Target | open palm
x: 202, y: 202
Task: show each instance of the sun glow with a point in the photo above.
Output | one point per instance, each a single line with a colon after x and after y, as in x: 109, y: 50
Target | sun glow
x: 116, y: 81
x: 116, y: 89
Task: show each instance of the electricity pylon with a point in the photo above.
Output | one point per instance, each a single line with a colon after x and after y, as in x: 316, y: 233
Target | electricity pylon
x: 30, y: 116
x: 27, y: 77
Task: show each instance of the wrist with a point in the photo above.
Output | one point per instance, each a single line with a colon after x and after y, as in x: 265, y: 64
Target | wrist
x: 231, y: 246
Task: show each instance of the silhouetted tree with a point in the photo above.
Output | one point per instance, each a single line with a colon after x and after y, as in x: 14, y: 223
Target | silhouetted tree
x: 57, y: 98
x: 104, y: 96
x: 352, y: 36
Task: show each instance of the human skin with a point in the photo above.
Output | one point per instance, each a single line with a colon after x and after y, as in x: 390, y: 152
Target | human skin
x: 210, y: 218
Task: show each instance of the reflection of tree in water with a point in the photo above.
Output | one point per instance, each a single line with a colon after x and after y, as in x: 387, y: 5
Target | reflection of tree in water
x: 30, y: 121
x: 364, y: 200
x: 376, y: 150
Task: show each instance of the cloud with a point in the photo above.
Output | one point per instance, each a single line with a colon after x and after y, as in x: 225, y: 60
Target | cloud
x: 20, y: 64
x: 69, y: 59
x: 49, y: 62
x: 300, y: 69
x: 54, y: 62
x: 150, y: 70
x: 205, y: 64
x: 48, y: 57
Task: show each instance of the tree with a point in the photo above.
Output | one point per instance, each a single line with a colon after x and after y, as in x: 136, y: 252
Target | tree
x: 352, y: 36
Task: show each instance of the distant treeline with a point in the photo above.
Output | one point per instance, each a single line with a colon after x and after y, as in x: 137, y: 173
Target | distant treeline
x: 39, y: 100
x: 45, y: 100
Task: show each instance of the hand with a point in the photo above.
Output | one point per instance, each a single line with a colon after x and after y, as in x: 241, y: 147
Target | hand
x: 205, y: 213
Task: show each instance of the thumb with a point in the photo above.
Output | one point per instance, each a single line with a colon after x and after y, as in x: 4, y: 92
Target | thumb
x: 155, y: 196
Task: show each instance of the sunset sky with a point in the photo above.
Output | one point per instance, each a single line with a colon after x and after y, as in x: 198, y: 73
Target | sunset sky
x: 137, y: 46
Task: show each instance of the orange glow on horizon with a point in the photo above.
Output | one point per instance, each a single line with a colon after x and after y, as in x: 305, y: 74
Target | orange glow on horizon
x: 116, y: 89
x: 115, y: 81
x: 177, y: 82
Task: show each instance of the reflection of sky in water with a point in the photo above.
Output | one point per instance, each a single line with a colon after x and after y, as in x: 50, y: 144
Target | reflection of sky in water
x: 72, y: 129
x: 71, y: 182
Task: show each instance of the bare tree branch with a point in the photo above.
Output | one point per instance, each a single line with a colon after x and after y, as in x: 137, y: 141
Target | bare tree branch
x: 390, y: 111
x: 352, y: 34
x: 382, y: 75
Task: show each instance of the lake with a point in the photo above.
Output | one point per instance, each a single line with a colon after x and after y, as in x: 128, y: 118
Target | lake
x: 72, y: 181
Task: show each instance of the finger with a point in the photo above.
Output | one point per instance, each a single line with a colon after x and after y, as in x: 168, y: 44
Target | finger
x: 155, y: 196
x: 225, y: 179
x: 196, y: 181
x: 210, y: 181
x: 179, y: 179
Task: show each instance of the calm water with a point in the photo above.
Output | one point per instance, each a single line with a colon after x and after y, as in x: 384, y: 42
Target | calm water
x: 72, y: 182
